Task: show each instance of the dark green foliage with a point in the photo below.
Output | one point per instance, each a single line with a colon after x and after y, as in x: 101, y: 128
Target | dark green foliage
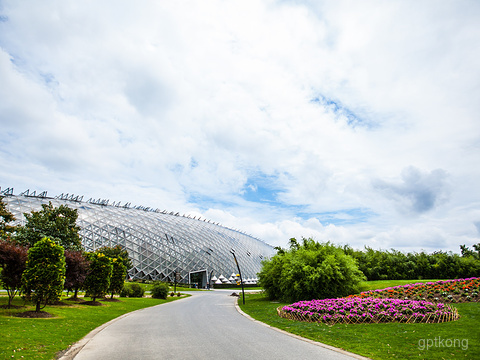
x: 98, y: 277
x: 310, y: 270
x: 160, y: 291
x: 5, y: 217
x: 76, y: 270
x: 44, y: 274
x: 13, y: 259
x: 395, y: 265
x: 58, y: 224
x: 117, y: 280
x: 132, y: 290
x: 117, y: 252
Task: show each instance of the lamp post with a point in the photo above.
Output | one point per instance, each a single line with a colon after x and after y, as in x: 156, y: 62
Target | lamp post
x: 239, y: 273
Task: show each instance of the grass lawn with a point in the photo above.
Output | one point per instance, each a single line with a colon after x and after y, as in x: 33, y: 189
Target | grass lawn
x: 384, y: 341
x: 23, y: 338
x: 382, y: 284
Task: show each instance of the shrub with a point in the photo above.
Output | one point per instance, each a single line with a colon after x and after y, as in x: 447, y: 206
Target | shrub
x: 310, y: 270
x: 125, y: 291
x: 137, y: 290
x: 132, y: 290
x: 160, y: 291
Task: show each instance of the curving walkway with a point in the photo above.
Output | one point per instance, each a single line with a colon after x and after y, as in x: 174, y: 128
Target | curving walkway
x: 203, y: 326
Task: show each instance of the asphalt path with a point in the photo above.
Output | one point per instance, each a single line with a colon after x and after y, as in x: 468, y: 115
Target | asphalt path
x: 206, y: 325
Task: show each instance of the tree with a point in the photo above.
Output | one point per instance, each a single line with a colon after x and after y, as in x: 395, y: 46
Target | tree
x: 58, y: 224
x: 99, y: 272
x: 310, y: 270
x: 117, y: 280
x: 76, y: 270
x: 5, y: 217
x: 44, y: 275
x: 13, y: 259
x: 118, y: 252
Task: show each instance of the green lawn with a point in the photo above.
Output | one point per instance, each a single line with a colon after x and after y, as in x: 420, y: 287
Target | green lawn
x: 383, y: 341
x: 43, y: 338
x: 382, y: 284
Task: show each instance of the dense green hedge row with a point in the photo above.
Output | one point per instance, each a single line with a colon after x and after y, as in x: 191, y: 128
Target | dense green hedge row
x: 396, y: 265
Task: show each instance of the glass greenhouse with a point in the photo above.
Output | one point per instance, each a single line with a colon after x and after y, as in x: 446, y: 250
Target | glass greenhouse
x: 162, y: 245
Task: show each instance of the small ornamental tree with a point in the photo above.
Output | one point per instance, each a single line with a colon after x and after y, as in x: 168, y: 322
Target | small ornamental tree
x: 56, y: 223
x: 76, y: 271
x: 13, y: 259
x: 44, y: 275
x: 99, y: 272
x: 119, y: 271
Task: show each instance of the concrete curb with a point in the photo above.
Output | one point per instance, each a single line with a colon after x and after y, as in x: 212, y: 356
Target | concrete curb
x: 344, y: 352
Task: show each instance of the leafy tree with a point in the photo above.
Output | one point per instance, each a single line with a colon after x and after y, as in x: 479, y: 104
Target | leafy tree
x: 118, y: 252
x: 310, y: 270
x: 13, y: 259
x: 117, y: 280
x: 467, y: 252
x: 5, y: 217
x: 56, y: 223
x: 99, y: 273
x: 44, y: 275
x: 76, y: 270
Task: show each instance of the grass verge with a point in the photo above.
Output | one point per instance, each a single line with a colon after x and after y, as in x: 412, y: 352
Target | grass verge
x: 383, y: 341
x: 383, y: 284
x: 24, y: 338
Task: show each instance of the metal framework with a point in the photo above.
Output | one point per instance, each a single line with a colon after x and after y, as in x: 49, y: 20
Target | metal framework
x: 159, y: 243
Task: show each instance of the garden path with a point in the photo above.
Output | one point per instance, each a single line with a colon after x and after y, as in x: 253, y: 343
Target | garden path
x: 203, y: 326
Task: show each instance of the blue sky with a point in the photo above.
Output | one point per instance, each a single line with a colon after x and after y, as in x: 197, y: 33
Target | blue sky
x: 354, y: 122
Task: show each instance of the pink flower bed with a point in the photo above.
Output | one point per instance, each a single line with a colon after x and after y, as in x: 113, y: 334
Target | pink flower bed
x: 354, y: 310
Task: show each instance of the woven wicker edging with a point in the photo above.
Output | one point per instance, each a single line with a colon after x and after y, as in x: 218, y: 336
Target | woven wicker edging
x: 451, y: 315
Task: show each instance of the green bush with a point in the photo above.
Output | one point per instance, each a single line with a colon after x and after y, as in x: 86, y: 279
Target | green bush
x: 44, y: 274
x: 132, y: 290
x: 125, y: 291
x: 98, y: 277
x: 160, y: 291
x: 310, y: 270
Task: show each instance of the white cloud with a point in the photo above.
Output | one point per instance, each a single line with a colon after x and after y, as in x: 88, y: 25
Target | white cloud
x: 185, y: 105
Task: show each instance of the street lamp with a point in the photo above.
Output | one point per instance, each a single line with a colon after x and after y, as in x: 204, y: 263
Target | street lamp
x: 232, y: 251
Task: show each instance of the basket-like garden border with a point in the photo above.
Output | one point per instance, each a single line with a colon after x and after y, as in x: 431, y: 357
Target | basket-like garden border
x: 449, y: 313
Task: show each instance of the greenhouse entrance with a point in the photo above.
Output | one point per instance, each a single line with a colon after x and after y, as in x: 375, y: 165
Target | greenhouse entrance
x: 199, y: 278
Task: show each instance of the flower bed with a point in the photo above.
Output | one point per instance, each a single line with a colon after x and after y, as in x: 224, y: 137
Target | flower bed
x: 458, y: 290
x: 368, y: 310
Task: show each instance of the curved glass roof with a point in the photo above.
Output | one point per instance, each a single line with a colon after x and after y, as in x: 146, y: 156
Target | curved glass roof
x: 158, y: 243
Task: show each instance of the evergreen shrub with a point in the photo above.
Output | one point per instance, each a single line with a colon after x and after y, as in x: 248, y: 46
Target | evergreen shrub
x: 160, y: 291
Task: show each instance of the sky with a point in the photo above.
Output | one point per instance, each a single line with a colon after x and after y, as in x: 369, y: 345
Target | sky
x: 346, y: 121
